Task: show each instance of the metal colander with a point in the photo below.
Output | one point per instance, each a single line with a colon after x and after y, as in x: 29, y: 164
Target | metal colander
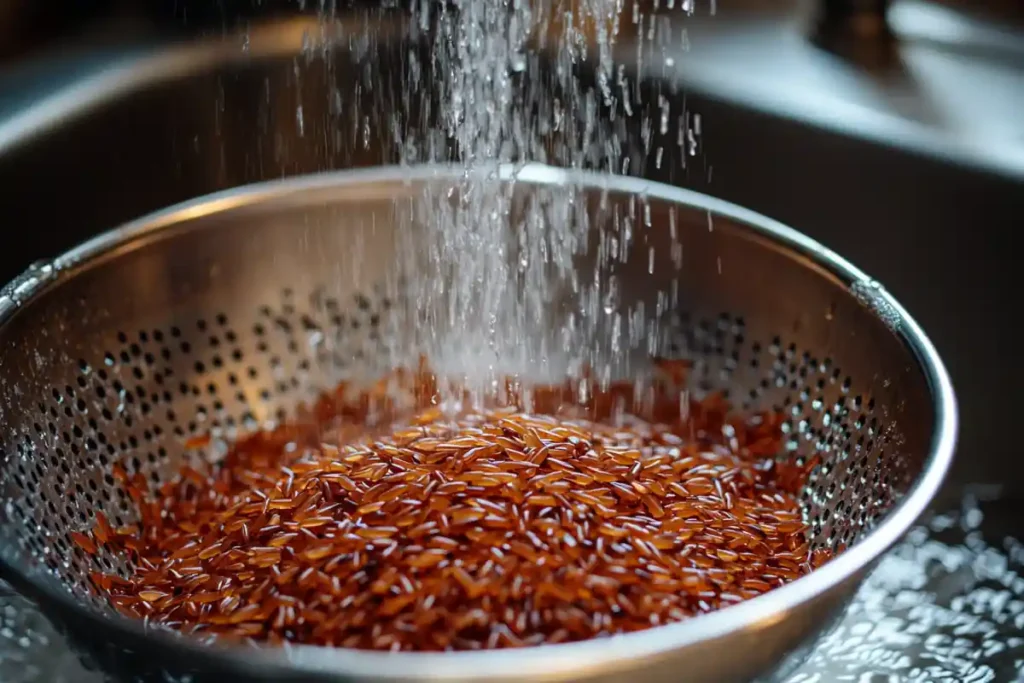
x: 225, y: 313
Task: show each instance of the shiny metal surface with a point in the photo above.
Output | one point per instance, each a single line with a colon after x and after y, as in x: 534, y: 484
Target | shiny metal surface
x: 944, y: 84
x: 253, y: 299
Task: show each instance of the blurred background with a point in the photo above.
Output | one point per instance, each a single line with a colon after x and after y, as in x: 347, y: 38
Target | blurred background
x: 892, y: 131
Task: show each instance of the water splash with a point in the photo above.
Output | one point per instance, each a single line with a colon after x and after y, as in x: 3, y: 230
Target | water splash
x: 873, y: 295
x: 947, y: 604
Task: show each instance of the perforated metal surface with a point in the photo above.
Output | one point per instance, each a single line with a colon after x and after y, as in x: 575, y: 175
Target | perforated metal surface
x: 152, y: 389
x: 221, y: 318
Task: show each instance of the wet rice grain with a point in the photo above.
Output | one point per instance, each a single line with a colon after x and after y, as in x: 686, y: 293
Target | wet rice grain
x: 365, y: 525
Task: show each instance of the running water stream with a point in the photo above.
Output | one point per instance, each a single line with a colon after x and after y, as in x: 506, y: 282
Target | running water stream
x: 487, y: 281
x: 489, y: 276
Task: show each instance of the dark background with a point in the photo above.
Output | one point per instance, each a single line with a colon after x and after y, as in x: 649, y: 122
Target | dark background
x: 27, y: 25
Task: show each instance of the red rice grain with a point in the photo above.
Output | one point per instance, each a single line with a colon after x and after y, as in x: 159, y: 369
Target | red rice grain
x: 489, y: 529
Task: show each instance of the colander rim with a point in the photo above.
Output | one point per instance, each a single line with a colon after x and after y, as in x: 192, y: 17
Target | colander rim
x: 544, y: 661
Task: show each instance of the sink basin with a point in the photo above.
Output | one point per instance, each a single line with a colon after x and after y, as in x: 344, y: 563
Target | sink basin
x: 88, y: 143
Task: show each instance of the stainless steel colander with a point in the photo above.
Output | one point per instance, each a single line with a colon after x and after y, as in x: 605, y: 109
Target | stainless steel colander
x: 224, y: 313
